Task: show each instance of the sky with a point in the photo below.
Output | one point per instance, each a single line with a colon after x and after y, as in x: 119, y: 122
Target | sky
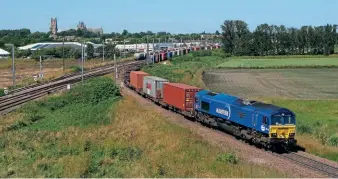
x: 174, y: 16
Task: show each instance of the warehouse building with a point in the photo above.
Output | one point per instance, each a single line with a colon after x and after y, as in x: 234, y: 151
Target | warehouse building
x: 45, y: 45
x: 4, y: 53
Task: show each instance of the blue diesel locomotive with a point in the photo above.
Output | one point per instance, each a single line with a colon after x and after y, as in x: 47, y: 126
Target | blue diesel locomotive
x: 256, y: 122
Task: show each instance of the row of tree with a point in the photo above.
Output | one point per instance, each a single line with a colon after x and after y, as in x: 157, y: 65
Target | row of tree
x: 22, y: 37
x: 277, y: 40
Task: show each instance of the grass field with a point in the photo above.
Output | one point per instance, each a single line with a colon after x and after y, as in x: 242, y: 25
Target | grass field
x: 308, y: 92
x: 91, y: 132
x: 280, y: 62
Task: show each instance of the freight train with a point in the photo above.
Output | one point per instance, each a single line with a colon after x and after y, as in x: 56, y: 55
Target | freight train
x: 162, y: 55
x: 261, y: 124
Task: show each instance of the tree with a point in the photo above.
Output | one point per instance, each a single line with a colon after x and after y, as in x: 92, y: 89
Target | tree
x: 235, y: 37
x: 228, y: 36
x: 90, y: 51
x: 125, y: 33
x: 217, y: 32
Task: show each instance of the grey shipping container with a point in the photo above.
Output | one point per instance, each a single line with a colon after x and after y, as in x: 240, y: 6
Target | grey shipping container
x: 153, y: 86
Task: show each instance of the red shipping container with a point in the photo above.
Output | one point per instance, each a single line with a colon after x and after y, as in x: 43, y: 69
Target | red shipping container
x: 136, y: 79
x: 180, y: 95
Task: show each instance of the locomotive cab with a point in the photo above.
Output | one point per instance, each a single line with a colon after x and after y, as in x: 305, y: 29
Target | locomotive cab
x: 282, y: 127
x: 278, y: 123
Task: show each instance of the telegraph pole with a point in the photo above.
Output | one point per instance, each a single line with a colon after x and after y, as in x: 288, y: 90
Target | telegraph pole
x: 103, y: 50
x: 13, y: 67
x: 40, y: 67
x: 115, y: 67
x: 147, y: 50
x: 124, y: 48
x: 82, y: 56
x: 153, y: 50
x: 63, y: 53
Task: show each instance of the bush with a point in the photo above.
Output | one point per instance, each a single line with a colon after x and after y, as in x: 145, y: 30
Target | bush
x: 333, y: 140
x: 321, y: 134
x: 75, y: 68
x: 227, y: 158
x: 304, y: 128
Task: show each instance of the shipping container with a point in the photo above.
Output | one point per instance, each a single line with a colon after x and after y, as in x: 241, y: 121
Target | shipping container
x: 153, y: 86
x: 161, y: 56
x: 184, y: 95
x: 165, y: 56
x: 170, y: 55
x: 136, y: 79
x: 157, y: 57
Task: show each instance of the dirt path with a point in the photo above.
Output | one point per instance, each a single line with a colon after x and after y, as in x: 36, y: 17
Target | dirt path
x: 226, y: 142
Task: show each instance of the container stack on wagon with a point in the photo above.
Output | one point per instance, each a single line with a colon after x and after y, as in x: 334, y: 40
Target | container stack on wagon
x: 153, y: 86
x: 184, y: 97
x: 136, y: 79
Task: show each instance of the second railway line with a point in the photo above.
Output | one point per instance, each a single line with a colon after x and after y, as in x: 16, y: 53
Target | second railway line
x: 13, y: 101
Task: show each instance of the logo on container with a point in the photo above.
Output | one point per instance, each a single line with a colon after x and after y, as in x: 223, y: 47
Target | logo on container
x: 148, y: 86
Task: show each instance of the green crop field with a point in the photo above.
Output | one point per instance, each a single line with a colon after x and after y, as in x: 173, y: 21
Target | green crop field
x: 278, y: 63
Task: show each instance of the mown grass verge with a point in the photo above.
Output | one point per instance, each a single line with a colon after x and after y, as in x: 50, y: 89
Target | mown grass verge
x: 89, y: 132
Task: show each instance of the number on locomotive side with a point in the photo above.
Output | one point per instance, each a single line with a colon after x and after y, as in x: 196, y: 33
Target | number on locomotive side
x: 222, y: 111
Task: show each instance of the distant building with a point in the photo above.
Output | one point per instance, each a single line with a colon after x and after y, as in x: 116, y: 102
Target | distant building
x: 97, y: 31
x: 82, y: 26
x: 53, y: 27
x: 4, y: 53
x: 46, y: 45
x: 211, y: 36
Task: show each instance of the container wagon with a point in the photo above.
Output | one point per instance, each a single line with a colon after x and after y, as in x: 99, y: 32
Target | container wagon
x: 180, y: 97
x: 136, y: 79
x: 153, y: 86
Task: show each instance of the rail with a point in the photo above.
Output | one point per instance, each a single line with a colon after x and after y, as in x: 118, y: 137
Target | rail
x: 324, y: 168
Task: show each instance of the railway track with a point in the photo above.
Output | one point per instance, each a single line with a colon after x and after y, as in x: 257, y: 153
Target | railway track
x: 11, y: 102
x: 310, y: 163
x: 62, y: 77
